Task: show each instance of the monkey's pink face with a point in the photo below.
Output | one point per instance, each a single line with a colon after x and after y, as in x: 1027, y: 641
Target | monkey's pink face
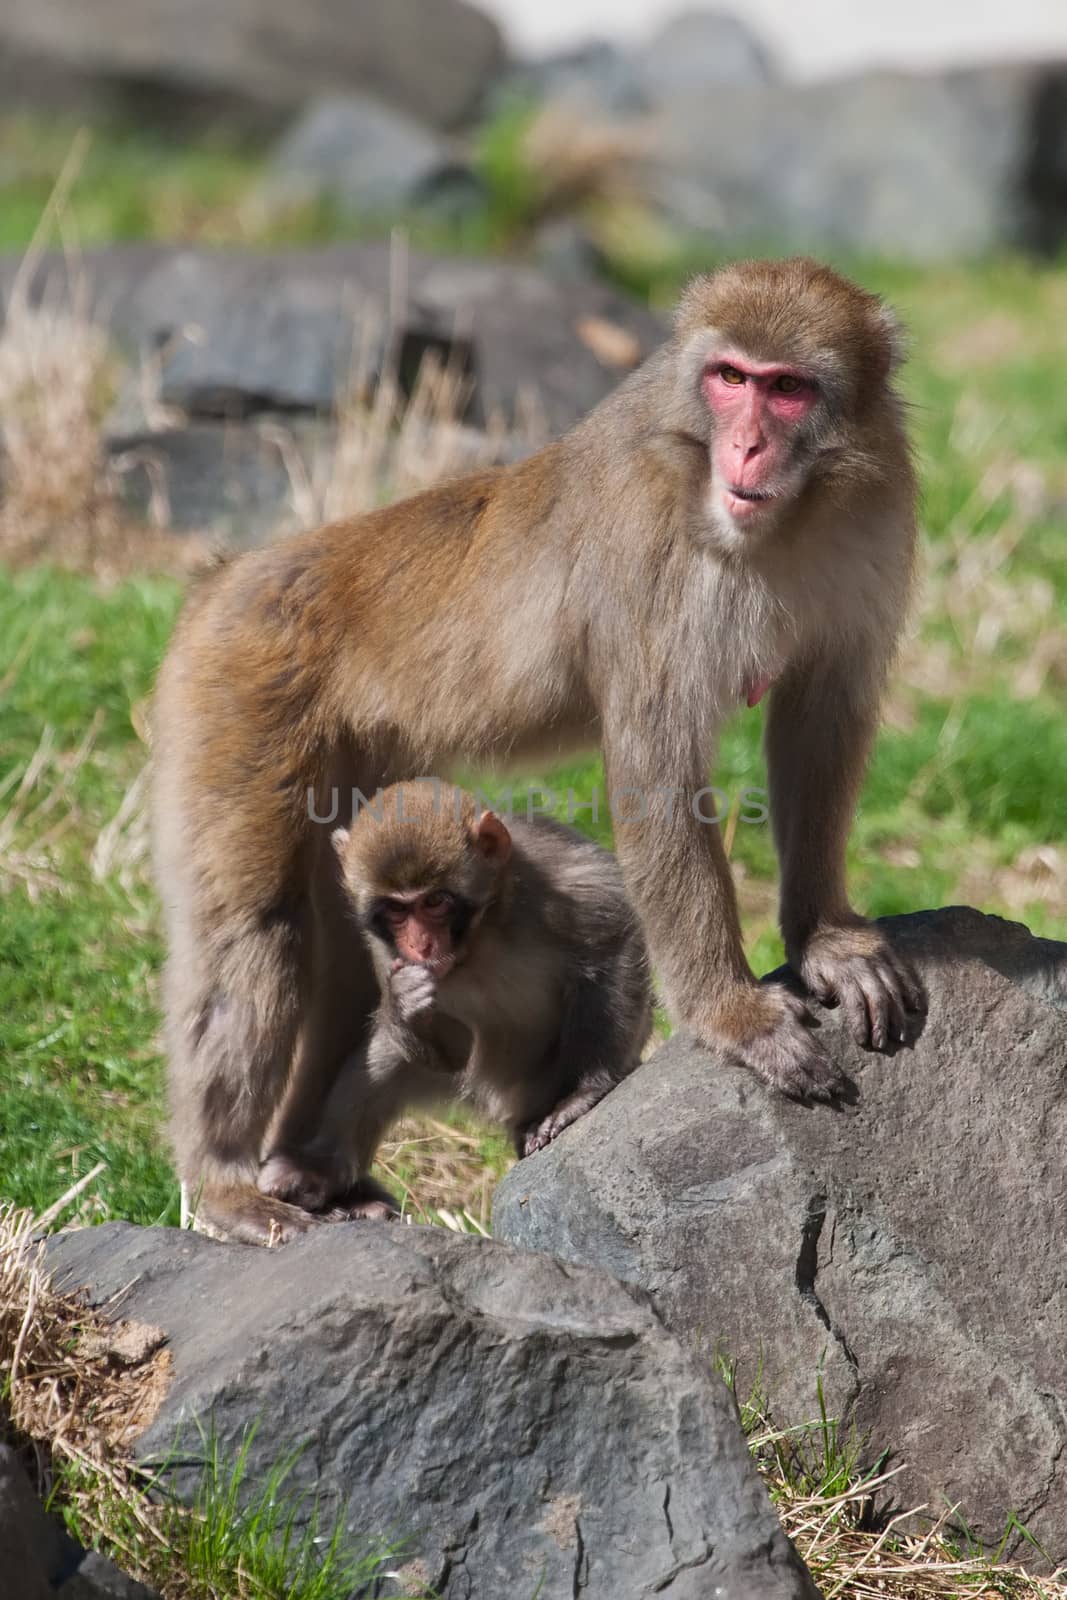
x: 758, y: 410
x: 422, y: 930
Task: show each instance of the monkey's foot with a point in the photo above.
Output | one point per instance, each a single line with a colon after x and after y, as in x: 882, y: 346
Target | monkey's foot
x: 770, y: 1031
x: 244, y: 1215
x: 365, y: 1200
x: 303, y: 1179
x: 856, y: 968
x: 538, y: 1135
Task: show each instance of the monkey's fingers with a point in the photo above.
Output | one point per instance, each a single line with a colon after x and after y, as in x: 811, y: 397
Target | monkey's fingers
x: 913, y: 986
x: 541, y: 1134
x: 876, y: 993
x: 791, y: 1060
x: 366, y: 1201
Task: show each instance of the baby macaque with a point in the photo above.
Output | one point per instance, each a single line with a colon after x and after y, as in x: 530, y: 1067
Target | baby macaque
x: 513, y: 974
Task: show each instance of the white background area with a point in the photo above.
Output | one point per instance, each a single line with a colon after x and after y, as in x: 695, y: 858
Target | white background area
x: 815, y: 38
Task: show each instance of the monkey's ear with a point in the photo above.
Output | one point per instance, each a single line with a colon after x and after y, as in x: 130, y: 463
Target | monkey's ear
x: 492, y: 839
x: 896, y: 336
x: 339, y: 840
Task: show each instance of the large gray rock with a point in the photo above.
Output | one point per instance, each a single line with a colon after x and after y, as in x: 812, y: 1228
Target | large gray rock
x: 924, y: 167
x: 528, y: 1426
x: 433, y: 57
x: 909, y: 1246
x: 38, y: 1558
x: 237, y: 333
x: 239, y: 484
x: 370, y: 160
x: 244, y: 485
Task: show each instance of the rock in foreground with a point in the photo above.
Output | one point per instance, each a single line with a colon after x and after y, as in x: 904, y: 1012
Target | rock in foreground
x: 910, y: 1244
x: 529, y: 1426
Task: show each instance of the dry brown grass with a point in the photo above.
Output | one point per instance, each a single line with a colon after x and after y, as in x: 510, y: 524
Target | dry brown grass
x: 829, y: 1509
x: 59, y: 496
x: 54, y: 367
x: 852, y: 1562
x: 441, y: 1173
x: 78, y: 1388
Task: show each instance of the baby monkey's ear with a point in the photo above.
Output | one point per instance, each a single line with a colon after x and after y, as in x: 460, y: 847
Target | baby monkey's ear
x: 492, y: 839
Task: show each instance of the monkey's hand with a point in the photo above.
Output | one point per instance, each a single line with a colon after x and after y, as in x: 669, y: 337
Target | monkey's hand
x: 856, y: 968
x: 769, y: 1030
x: 413, y: 988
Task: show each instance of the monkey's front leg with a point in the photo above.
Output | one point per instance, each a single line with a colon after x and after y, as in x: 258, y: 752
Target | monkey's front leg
x: 329, y: 1175
x: 819, y: 731
x: 677, y: 871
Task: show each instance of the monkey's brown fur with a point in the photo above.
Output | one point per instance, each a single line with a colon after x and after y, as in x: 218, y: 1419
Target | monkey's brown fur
x: 595, y: 592
x: 543, y: 1005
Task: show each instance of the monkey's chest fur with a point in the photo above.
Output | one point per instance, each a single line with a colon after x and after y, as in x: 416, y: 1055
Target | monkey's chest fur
x: 498, y: 1029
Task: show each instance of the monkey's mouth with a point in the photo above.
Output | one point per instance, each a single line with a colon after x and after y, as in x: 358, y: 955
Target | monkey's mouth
x: 746, y: 504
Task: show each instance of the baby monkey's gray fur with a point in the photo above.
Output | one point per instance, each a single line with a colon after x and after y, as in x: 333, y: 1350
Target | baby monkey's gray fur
x: 534, y: 999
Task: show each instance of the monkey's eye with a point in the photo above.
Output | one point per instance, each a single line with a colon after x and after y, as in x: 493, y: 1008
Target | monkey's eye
x: 396, y: 912
x: 439, y: 901
x: 788, y: 384
x: 731, y: 375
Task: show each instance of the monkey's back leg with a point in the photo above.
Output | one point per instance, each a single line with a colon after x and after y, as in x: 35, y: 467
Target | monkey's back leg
x: 231, y: 851
x: 339, y: 999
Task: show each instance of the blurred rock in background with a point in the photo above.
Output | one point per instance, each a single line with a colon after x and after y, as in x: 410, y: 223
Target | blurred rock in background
x: 917, y: 167
x: 434, y: 58
x: 369, y: 159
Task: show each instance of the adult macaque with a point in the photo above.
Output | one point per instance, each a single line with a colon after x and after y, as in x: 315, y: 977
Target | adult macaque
x: 512, y: 972
x: 738, y: 514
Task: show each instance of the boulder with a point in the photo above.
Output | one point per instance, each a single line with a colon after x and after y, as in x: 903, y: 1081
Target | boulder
x: 907, y: 1246
x: 370, y: 160
x: 527, y: 1426
x: 246, y: 485
x: 239, y: 484
x: 926, y: 167
x: 237, y: 333
x: 434, y: 58
x: 38, y: 1558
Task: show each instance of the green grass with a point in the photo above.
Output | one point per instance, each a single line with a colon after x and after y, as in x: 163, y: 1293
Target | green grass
x: 237, y: 1534
x: 79, y: 1067
x: 138, y: 184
